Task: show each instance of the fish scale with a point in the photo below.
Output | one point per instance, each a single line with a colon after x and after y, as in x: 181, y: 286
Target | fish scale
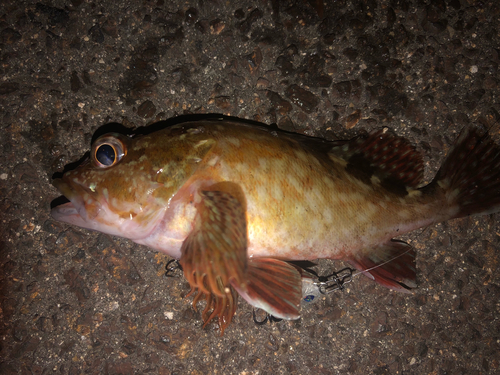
x: 234, y: 202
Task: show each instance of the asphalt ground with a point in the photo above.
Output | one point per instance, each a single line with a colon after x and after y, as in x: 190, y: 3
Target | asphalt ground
x: 79, y: 302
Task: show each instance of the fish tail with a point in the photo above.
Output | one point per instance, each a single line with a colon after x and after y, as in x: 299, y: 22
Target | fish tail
x: 470, y: 175
x: 469, y: 184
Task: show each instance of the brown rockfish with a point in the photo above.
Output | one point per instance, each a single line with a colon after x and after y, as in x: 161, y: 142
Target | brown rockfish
x: 235, y: 202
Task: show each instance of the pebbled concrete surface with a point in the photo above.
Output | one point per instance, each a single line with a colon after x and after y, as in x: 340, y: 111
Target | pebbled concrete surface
x: 78, y: 302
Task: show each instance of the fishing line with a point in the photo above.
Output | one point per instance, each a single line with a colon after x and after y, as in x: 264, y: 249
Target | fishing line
x: 383, y: 263
x: 337, y: 280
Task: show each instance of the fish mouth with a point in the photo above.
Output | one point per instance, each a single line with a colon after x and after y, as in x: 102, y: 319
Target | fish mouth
x: 82, y: 207
x: 77, y: 206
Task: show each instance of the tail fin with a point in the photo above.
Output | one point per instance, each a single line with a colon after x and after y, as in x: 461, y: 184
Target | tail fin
x: 470, y: 175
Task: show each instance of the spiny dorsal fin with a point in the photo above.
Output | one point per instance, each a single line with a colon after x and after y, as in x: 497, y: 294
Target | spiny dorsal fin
x: 385, y: 155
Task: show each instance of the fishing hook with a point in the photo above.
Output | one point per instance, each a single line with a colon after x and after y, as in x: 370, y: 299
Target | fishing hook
x: 269, y: 318
x: 170, y: 268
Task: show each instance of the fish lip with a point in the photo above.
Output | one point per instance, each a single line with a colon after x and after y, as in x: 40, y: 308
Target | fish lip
x: 74, y: 211
x: 66, y: 212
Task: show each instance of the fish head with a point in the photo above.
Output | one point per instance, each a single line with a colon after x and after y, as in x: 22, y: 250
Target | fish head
x: 126, y: 185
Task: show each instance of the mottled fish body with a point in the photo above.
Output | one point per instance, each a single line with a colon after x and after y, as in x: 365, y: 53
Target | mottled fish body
x: 233, y: 202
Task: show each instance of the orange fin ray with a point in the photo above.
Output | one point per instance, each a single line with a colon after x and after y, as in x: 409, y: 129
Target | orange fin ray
x: 274, y: 286
x: 222, y: 307
x: 217, y: 246
x: 214, y: 255
x: 391, y: 264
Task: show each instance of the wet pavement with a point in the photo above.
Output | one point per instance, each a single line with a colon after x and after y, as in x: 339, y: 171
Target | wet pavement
x: 76, y: 302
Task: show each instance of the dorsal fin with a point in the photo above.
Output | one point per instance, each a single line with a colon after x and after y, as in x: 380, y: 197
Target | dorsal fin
x: 392, y: 159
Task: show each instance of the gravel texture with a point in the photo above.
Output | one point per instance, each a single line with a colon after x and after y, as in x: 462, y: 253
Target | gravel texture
x: 76, y: 302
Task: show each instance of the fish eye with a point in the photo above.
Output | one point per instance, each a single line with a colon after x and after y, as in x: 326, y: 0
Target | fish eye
x: 108, y: 150
x: 105, y: 154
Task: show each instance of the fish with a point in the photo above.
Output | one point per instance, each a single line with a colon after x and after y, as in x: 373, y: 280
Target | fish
x: 237, y: 203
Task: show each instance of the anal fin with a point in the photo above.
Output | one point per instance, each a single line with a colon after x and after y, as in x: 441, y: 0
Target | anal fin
x: 391, y: 264
x: 274, y: 286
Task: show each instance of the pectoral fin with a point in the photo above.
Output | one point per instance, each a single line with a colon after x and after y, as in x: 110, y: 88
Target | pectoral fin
x: 214, y: 255
x: 274, y: 286
x: 215, y: 263
x: 215, y: 252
